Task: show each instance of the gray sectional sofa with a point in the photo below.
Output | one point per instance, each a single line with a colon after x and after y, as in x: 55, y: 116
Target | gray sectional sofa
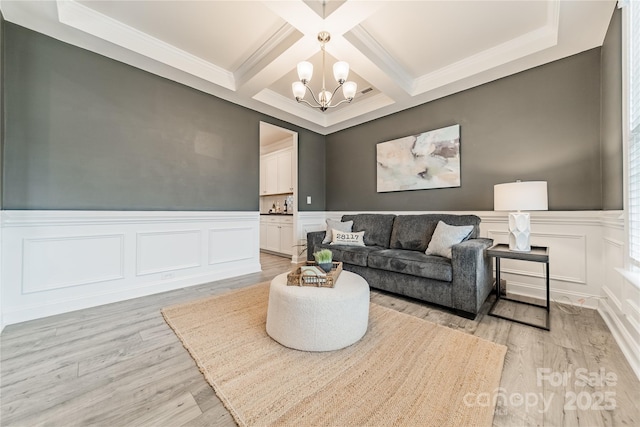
x: 393, y: 259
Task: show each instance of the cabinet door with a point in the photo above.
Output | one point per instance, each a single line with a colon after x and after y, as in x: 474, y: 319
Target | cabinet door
x: 273, y: 237
x: 285, y: 184
x: 271, y: 174
x: 263, y: 176
x: 286, y: 238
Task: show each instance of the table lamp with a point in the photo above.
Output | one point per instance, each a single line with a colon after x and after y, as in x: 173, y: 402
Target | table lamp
x: 520, y: 196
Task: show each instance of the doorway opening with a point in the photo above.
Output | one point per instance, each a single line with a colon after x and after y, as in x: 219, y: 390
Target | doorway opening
x: 278, y: 190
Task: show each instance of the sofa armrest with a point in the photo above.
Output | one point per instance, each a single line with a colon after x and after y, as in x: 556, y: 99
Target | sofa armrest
x: 472, y: 274
x: 314, y: 238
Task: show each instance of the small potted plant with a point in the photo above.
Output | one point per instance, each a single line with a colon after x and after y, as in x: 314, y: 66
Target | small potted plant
x: 324, y: 259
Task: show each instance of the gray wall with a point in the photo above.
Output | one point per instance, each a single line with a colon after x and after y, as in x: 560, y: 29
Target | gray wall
x: 541, y: 124
x: 611, y: 115
x: 86, y: 132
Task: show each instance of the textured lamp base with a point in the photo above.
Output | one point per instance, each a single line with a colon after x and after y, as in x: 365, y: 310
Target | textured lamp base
x: 519, y: 231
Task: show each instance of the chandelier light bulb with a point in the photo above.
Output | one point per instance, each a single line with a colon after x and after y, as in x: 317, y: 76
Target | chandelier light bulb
x: 305, y: 71
x: 325, y: 98
x: 349, y: 90
x: 298, y: 90
x: 341, y: 71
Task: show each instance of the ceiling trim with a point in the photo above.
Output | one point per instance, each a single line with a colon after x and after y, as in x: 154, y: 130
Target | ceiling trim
x: 534, y: 41
x: 571, y: 27
x: 357, y: 109
x: 85, y: 19
x: 251, y: 66
x: 362, y: 40
x: 325, y: 119
x: 291, y: 106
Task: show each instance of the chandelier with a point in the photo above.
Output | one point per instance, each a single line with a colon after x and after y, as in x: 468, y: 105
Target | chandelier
x: 340, y: 73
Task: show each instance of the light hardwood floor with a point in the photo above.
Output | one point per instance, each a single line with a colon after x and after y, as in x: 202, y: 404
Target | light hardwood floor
x: 120, y: 365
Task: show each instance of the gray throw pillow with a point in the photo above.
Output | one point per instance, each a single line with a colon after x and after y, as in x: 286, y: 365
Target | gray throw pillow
x: 333, y: 224
x: 446, y: 236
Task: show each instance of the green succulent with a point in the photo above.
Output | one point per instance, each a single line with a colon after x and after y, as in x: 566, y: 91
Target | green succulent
x: 323, y: 256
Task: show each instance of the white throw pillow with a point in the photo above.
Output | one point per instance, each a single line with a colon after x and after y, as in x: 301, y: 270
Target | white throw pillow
x: 333, y: 224
x: 348, y: 238
x: 446, y: 236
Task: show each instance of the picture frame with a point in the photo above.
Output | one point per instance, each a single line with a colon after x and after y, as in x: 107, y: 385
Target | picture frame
x: 424, y: 161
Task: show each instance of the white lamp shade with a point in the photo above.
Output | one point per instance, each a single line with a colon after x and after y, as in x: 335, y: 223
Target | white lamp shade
x: 298, y: 90
x: 520, y: 196
x: 340, y: 71
x: 325, y: 97
x: 305, y: 71
x: 349, y: 90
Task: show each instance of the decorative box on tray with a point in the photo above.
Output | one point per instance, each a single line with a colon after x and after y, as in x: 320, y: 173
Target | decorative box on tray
x: 312, y: 275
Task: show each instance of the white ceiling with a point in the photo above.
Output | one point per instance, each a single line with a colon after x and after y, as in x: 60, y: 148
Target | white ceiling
x: 408, y: 52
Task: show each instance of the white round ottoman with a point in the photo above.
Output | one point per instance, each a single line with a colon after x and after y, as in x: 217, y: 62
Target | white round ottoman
x: 318, y: 319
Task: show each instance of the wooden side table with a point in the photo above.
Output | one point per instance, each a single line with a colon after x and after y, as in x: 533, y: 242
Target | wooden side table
x: 537, y: 254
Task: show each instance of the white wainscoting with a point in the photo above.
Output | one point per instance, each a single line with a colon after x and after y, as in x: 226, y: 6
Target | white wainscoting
x: 307, y: 222
x: 575, y: 255
x: 620, y: 291
x: 59, y: 261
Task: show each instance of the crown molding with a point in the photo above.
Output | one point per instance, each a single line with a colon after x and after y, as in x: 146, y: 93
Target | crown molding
x: 253, y: 64
x: 357, y: 109
x: 364, y: 42
x: 85, y: 19
x: 534, y: 41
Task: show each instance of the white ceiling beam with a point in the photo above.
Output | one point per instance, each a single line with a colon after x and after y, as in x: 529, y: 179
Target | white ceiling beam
x: 95, y: 23
x: 273, y: 47
x: 369, y: 68
x: 297, y: 14
x: 383, y: 60
x: 281, y: 64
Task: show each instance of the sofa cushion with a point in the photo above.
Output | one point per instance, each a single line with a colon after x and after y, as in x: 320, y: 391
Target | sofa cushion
x: 351, y: 238
x: 333, y: 224
x: 413, y: 232
x: 377, y: 227
x: 357, y: 255
x: 445, y: 237
x: 413, y: 263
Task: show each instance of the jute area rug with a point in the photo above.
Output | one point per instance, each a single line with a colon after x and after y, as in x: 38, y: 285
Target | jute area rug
x: 405, y: 370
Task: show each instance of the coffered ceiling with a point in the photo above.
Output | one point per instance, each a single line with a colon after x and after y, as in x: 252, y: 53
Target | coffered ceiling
x: 401, y: 53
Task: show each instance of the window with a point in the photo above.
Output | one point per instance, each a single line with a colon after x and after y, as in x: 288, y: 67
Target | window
x: 632, y: 127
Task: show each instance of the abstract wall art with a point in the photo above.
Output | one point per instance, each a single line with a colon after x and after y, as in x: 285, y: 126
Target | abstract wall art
x: 419, y: 162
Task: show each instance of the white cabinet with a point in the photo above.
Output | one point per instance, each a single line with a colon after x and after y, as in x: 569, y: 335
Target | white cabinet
x: 276, y: 234
x: 285, y: 167
x: 276, y: 172
x: 286, y: 237
x: 271, y: 175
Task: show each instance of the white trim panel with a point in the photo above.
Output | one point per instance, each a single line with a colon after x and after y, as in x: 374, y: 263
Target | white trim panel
x: 162, y: 251
x: 59, y: 261
x: 63, y: 262
x: 231, y: 244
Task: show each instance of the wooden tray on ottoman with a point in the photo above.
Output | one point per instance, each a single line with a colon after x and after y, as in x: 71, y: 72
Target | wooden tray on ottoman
x: 298, y: 278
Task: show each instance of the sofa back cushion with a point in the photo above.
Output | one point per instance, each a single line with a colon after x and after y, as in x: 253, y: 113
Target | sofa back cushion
x: 413, y: 232
x: 376, y: 227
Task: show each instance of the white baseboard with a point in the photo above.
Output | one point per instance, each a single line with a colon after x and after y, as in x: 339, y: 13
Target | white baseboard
x: 577, y: 299
x: 622, y: 336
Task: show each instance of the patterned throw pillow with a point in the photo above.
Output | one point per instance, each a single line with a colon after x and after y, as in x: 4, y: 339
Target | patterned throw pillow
x: 446, y: 236
x: 333, y: 224
x: 348, y: 238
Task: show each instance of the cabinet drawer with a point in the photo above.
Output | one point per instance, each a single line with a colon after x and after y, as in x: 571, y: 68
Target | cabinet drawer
x: 286, y: 220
